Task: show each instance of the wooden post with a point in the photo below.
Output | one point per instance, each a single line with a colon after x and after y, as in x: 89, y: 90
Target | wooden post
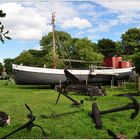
x: 124, y: 84
x: 60, y: 83
x: 112, y: 81
x: 138, y: 83
x: 87, y: 81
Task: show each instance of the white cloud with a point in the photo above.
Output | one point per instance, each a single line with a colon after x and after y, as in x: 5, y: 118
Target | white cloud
x: 125, y: 6
x: 86, y: 6
x: 30, y: 20
x: 126, y: 10
x: 93, y: 37
x: 76, y: 22
x: 104, y: 27
x: 27, y: 35
x: 23, y: 22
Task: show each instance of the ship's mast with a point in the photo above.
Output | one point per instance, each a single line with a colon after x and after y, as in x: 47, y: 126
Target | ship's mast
x: 54, y: 46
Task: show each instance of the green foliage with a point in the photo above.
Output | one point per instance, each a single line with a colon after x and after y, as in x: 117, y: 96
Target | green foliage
x: 131, y: 41
x: 36, y: 53
x: 119, y: 49
x: 30, y: 58
x: 69, y: 48
x: 3, y: 34
x: 63, y: 46
x: 63, y: 40
x: 85, y: 50
x: 47, y: 60
x: 136, y: 60
x: 107, y: 47
x: 79, y: 49
x: 2, y: 14
x: 127, y: 57
x: 25, y: 58
x: 8, y: 65
x: 1, y: 68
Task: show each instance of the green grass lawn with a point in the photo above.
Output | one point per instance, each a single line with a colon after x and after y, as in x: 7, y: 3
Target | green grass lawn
x: 77, y: 126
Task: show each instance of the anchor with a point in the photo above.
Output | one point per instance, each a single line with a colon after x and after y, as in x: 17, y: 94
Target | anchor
x: 76, y: 103
x: 81, y: 86
x: 62, y: 90
x: 131, y: 94
x: 27, y: 125
x: 73, y: 83
x: 96, y: 113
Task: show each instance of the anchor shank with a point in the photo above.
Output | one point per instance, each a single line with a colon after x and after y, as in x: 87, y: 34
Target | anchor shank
x: 129, y: 106
x: 71, y: 99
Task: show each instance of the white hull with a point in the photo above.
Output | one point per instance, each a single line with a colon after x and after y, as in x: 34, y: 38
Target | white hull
x: 40, y: 76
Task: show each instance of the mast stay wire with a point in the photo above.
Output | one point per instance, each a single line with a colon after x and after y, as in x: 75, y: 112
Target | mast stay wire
x: 67, y: 52
x: 31, y: 45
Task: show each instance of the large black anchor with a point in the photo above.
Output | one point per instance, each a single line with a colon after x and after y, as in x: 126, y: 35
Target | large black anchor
x: 27, y: 125
x: 96, y: 113
x: 62, y: 91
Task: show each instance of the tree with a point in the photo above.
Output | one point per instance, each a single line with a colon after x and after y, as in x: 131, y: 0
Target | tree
x: 8, y: 65
x: 31, y: 58
x: 87, y: 51
x: 136, y: 60
x: 26, y: 58
x: 36, y: 53
x: 47, y: 60
x: 119, y: 50
x: 131, y: 41
x: 66, y: 48
x: 63, y: 46
x: 107, y: 47
x: 69, y: 48
x: 1, y: 68
x: 3, y: 34
x: 63, y: 40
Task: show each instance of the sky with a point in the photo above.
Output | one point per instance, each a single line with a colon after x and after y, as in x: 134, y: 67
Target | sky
x: 28, y: 20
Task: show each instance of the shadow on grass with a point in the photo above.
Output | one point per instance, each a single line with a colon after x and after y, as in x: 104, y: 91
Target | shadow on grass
x: 34, y: 87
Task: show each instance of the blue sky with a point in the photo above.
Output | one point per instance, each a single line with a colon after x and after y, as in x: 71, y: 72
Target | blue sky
x: 28, y: 20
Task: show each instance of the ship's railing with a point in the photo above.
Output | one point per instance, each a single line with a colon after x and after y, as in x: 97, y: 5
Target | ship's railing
x: 94, y: 67
x: 103, y: 70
